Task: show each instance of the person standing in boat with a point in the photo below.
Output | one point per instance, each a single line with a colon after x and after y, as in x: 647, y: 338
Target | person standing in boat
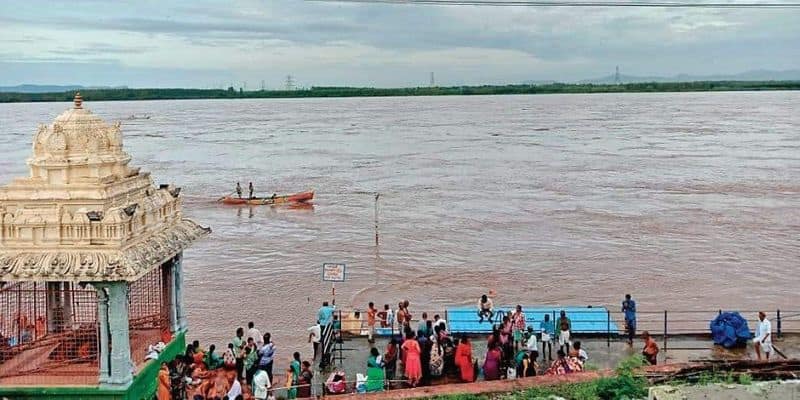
x: 238, y: 190
x: 250, y: 187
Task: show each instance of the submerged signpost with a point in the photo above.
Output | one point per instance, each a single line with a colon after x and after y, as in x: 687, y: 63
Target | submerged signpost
x: 334, y: 272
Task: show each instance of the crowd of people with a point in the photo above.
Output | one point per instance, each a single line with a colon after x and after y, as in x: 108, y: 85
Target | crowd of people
x: 243, y: 370
x: 420, y: 354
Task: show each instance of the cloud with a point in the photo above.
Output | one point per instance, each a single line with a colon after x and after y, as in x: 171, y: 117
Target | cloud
x: 245, y: 37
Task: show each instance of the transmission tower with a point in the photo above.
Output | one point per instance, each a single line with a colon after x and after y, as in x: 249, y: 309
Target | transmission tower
x: 263, y: 86
x: 289, y: 82
x: 616, y: 77
x: 433, y: 81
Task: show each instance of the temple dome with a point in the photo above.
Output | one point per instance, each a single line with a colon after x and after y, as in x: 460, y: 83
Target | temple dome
x: 76, y: 146
x: 77, y: 132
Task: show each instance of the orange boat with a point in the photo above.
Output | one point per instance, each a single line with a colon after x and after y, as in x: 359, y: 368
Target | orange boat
x: 301, y: 197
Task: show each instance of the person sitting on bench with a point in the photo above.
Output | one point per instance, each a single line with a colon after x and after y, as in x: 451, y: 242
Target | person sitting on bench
x: 485, y: 308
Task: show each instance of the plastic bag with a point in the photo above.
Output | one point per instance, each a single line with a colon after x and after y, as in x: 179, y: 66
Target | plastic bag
x: 361, y: 383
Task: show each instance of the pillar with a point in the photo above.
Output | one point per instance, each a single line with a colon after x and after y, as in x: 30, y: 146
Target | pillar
x: 177, y: 293
x: 120, y: 365
x: 102, y: 321
x: 168, y: 295
x: 67, y: 304
x: 54, y: 308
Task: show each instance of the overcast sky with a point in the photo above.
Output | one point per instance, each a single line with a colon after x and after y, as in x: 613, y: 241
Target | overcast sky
x: 216, y: 43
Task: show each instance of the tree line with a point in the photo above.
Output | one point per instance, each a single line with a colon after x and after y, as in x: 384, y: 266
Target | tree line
x: 119, y: 94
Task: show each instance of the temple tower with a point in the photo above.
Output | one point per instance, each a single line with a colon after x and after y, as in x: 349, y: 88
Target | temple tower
x: 90, y: 267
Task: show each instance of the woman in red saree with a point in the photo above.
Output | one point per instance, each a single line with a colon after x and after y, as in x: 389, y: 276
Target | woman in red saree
x: 411, y: 356
x: 464, y: 360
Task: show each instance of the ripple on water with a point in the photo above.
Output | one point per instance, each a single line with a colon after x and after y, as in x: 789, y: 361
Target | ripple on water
x: 684, y: 200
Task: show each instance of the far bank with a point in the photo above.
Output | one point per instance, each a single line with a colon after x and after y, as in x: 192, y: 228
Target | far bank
x: 125, y: 94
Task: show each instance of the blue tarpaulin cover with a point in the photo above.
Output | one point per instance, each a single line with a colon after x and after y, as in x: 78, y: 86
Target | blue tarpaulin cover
x: 730, y: 329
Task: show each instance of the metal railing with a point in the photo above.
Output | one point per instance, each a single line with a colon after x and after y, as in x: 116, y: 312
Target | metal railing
x: 661, y: 324
x: 326, y: 346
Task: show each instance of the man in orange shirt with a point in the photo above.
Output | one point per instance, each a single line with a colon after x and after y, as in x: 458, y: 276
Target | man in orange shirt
x: 372, y: 312
x: 650, y: 351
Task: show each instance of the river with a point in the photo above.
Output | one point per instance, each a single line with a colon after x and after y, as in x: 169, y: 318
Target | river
x: 686, y: 200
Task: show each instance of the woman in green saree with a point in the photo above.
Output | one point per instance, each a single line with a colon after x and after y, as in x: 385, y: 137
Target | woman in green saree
x: 375, y: 374
x: 294, y: 368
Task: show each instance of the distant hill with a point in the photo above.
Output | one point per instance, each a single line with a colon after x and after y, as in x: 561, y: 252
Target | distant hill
x: 51, y: 88
x: 755, y: 75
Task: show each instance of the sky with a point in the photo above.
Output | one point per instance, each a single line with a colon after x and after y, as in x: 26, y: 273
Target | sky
x: 214, y: 44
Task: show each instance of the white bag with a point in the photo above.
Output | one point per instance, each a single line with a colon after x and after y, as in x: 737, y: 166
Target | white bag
x: 361, y: 383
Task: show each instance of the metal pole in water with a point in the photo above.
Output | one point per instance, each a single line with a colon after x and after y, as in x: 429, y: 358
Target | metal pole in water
x: 377, y: 196
x: 377, y: 242
x: 665, y: 330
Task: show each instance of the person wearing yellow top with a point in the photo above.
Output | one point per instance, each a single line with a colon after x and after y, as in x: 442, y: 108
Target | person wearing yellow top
x: 291, y: 392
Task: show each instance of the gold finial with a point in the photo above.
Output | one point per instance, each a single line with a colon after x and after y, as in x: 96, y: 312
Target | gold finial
x: 78, y: 100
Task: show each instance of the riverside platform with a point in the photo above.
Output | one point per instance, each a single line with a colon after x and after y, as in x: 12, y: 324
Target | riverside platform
x: 584, y: 320
x: 588, y: 320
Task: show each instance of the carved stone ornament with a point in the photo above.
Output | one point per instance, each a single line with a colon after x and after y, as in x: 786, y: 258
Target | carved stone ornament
x: 97, y: 266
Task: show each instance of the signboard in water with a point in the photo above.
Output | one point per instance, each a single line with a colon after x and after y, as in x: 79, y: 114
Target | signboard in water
x: 332, y: 272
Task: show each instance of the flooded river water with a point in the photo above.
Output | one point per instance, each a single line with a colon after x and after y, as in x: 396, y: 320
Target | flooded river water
x: 686, y: 201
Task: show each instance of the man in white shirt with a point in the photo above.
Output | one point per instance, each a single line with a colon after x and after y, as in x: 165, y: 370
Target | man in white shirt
x: 254, y: 333
x: 314, y: 336
x: 763, y: 337
x: 389, y: 316
x: 236, y: 389
x: 261, y: 385
x: 531, y: 344
x: 439, y: 321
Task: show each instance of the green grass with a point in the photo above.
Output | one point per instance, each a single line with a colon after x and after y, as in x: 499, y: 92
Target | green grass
x: 624, y: 385
x: 714, y: 377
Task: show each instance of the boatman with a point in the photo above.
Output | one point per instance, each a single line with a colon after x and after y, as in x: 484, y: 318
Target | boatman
x: 763, y: 337
x: 238, y: 190
x: 629, y: 308
x: 250, y: 186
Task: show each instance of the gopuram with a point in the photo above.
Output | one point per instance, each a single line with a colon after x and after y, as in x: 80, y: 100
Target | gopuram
x: 90, y: 268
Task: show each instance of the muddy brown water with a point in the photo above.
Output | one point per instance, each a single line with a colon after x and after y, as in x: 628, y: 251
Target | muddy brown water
x: 688, y: 201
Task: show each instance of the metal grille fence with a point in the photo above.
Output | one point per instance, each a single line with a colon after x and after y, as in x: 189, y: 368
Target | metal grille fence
x: 48, y: 333
x: 150, y: 301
